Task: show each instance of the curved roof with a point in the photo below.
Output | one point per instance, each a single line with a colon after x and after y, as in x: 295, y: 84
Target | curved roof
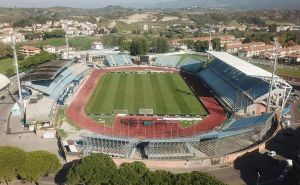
x: 4, y: 81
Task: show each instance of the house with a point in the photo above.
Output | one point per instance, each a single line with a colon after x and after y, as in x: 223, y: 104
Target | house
x: 257, y: 51
x: 236, y: 47
x: 293, y: 58
x: 29, y: 50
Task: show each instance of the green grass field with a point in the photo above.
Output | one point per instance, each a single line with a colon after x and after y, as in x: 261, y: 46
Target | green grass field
x: 166, y: 94
x: 6, y: 65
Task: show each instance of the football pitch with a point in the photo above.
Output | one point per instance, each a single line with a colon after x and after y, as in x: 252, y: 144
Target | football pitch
x: 164, y: 93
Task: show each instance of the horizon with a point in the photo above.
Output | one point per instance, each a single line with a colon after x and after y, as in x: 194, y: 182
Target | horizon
x: 84, y: 4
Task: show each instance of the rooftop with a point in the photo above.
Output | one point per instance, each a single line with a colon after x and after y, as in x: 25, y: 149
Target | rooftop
x: 46, y: 71
x: 241, y: 65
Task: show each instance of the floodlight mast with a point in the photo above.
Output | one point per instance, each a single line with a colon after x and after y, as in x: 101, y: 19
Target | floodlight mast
x: 21, y: 103
x: 273, y: 75
x: 210, y: 48
x: 67, y: 39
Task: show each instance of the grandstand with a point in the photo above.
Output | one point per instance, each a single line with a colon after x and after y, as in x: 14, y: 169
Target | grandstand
x: 240, y: 134
x: 190, y: 65
x: 167, y: 61
x: 118, y: 60
x: 187, y: 64
x: 54, y: 86
x: 47, y: 71
x: 241, y: 86
x: 117, y: 147
x: 168, y: 150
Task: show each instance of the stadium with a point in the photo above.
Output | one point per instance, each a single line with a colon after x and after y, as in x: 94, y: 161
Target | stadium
x: 171, y: 108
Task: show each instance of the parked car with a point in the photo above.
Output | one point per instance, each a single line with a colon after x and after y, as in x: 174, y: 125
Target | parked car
x: 287, y: 116
x: 295, y: 96
x: 289, y: 163
x: 287, y: 123
x: 271, y: 153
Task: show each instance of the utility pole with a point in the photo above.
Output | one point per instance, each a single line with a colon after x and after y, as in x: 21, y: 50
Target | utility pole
x: 21, y: 103
x: 273, y: 75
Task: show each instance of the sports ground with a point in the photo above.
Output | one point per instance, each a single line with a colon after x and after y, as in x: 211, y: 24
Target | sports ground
x: 164, y: 93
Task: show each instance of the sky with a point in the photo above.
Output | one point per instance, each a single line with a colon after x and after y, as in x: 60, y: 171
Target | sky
x: 77, y: 3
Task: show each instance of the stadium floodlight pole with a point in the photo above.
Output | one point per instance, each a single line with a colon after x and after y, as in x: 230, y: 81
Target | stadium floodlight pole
x: 21, y: 103
x: 210, y: 48
x: 273, y: 75
x: 67, y: 39
x: 209, y: 44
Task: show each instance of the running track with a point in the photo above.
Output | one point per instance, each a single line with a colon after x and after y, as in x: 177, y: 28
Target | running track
x: 132, y: 126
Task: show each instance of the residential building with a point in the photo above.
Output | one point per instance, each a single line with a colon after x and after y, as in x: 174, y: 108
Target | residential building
x: 29, y: 50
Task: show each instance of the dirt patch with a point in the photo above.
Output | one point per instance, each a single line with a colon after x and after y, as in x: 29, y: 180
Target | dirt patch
x: 138, y: 18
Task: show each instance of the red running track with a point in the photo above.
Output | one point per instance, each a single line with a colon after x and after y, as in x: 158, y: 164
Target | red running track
x: 132, y: 126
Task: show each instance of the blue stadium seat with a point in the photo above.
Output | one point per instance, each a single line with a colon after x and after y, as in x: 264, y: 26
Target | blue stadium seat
x: 190, y: 64
x: 119, y: 60
x: 250, y: 122
x: 167, y: 61
x: 55, y: 87
x: 252, y: 86
x: 227, y: 92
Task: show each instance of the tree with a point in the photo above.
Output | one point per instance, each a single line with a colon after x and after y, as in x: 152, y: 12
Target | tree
x: 203, y: 178
x: 139, y: 46
x: 160, y: 45
x: 38, y: 164
x: 182, y: 179
x: 160, y: 177
x: 5, y: 50
x: 112, y: 40
x: 282, y: 37
x: 114, y: 30
x: 57, y: 33
x: 216, y: 43
x: 33, y: 35
x: 37, y: 59
x: 11, y: 159
x: 272, y: 27
x: 101, y: 169
x: 125, y: 45
x: 201, y: 46
x: 94, y: 169
x: 131, y: 173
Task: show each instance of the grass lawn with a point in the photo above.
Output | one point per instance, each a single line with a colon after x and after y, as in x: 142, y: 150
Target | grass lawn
x: 166, y: 94
x: 80, y: 43
x: 186, y: 124
x: 5, y: 65
x: 283, y: 72
x: 104, y: 120
x: 41, y: 43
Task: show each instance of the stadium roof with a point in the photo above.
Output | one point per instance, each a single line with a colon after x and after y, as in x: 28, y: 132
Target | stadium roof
x: 47, y: 71
x: 4, y: 81
x: 241, y: 65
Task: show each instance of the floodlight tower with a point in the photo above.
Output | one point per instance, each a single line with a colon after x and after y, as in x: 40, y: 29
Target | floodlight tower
x: 210, y: 48
x: 273, y: 75
x: 67, y: 39
x: 21, y: 103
